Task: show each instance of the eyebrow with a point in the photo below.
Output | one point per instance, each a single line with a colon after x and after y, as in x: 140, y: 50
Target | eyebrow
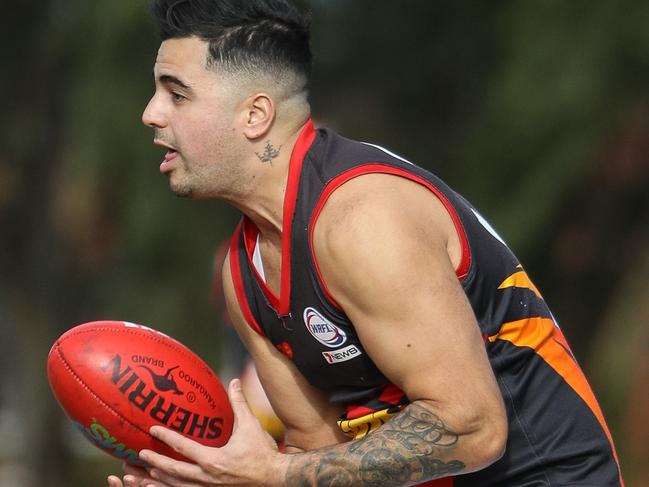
x: 169, y: 79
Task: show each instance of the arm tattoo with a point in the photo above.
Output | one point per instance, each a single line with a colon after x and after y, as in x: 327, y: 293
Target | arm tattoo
x: 407, y: 450
x: 269, y: 153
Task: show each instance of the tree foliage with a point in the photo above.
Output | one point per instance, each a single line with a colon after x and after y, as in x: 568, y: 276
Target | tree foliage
x: 536, y: 111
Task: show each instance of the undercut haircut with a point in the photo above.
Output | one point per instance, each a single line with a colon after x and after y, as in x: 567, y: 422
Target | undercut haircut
x: 248, y: 37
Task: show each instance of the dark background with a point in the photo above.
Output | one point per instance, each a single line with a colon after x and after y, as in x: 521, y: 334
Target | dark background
x: 537, y: 111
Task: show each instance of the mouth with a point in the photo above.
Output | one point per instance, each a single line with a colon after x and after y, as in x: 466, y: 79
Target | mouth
x: 167, y: 164
x: 171, y: 154
x: 163, y: 144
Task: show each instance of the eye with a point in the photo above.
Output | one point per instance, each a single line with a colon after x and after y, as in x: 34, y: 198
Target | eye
x: 177, y: 97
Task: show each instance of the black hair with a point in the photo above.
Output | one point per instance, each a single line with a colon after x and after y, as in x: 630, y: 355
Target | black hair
x: 244, y: 35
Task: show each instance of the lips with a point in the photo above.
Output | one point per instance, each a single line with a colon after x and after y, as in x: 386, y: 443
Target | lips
x: 167, y: 164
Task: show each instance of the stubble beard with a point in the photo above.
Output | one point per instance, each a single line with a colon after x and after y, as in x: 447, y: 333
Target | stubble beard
x: 182, y: 181
x: 204, y: 181
x: 181, y: 190
x: 179, y: 182
x: 198, y: 185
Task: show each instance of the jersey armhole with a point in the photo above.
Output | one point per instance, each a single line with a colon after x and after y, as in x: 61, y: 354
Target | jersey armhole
x: 237, y: 281
x: 465, y: 260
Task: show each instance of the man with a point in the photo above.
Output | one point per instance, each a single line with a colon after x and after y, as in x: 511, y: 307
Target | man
x: 397, y: 337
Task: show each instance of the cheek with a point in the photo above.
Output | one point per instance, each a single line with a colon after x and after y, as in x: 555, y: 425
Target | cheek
x: 203, y: 138
x: 193, y: 138
x: 208, y: 146
x: 219, y: 141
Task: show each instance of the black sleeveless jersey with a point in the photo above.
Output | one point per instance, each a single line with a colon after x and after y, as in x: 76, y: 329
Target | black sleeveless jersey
x: 557, y: 433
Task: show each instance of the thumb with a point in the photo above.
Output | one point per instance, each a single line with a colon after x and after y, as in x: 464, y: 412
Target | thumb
x: 242, y: 412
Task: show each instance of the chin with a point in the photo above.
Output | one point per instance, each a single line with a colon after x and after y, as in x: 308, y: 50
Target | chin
x: 184, y: 195
x: 182, y: 191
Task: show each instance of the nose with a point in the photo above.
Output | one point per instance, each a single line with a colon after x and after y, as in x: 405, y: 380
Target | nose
x: 153, y: 115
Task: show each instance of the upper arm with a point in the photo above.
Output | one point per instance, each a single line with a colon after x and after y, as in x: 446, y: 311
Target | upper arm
x: 382, y: 244
x: 309, y: 419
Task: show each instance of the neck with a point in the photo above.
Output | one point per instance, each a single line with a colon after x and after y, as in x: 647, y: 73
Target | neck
x: 263, y: 201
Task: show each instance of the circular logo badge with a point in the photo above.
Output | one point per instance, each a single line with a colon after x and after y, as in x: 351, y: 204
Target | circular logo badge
x: 322, y: 329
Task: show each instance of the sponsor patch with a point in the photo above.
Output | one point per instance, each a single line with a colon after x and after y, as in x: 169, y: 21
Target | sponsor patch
x: 101, y: 437
x: 322, y: 329
x: 342, y: 355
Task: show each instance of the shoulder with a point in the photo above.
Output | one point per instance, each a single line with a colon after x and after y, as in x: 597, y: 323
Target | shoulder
x: 378, y: 230
x: 377, y: 208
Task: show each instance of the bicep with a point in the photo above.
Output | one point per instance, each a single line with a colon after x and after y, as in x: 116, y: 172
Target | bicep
x: 309, y: 419
x: 417, y: 325
x: 390, y: 270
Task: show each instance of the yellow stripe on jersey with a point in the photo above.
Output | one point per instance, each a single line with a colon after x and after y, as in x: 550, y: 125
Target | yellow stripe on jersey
x: 357, y: 428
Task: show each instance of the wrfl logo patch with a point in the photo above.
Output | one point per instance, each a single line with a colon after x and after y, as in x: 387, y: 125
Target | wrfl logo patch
x: 322, y: 329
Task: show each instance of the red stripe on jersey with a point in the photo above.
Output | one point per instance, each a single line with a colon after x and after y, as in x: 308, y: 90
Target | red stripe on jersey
x: 237, y: 281
x: 392, y: 395
x: 302, y: 145
x: 354, y: 412
x: 465, y: 261
x: 447, y: 482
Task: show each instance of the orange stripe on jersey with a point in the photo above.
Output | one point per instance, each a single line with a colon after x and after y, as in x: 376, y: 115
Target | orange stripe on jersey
x: 520, y: 279
x: 547, y: 340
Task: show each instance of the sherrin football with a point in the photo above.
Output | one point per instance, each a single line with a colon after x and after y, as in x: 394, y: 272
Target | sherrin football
x: 115, y: 380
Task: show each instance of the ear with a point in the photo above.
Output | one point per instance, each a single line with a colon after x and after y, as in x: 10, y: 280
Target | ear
x: 260, y: 115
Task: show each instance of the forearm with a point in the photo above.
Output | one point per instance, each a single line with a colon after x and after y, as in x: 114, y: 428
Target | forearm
x: 413, y: 447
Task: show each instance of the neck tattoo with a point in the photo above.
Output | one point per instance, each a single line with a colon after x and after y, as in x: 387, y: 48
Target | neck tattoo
x: 269, y: 153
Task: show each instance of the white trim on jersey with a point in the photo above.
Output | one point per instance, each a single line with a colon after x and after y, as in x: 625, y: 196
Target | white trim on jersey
x: 257, y: 262
x: 488, y: 227
x: 388, y: 152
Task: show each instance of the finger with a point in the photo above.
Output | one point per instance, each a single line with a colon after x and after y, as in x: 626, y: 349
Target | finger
x: 136, y: 471
x: 114, y: 481
x: 186, y: 447
x: 242, y: 412
x: 135, y: 481
x: 174, y: 468
x: 170, y: 480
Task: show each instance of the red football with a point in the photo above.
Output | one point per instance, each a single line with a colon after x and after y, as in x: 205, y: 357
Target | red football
x: 116, y: 379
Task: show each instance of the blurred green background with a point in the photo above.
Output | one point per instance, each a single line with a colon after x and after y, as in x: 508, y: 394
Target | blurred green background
x: 537, y: 111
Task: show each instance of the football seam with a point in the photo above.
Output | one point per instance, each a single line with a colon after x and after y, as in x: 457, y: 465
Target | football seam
x: 95, y: 395
x: 167, y: 341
